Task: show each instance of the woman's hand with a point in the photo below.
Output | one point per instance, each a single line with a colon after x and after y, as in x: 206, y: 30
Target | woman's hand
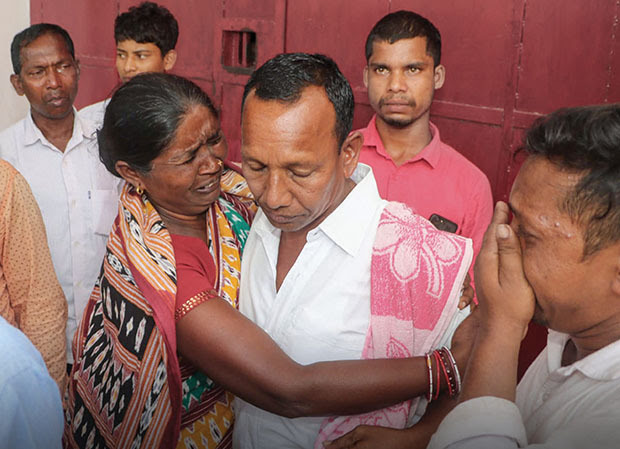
x: 372, y: 437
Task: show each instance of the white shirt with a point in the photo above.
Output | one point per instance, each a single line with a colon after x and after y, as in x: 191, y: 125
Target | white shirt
x: 95, y: 112
x: 30, y: 404
x: 78, y: 200
x: 575, y: 406
x: 322, y: 310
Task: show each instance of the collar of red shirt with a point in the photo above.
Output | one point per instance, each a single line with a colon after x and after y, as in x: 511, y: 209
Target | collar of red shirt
x: 430, y: 153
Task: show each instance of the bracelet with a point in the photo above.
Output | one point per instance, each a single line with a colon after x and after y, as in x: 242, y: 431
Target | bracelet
x: 452, y: 371
x: 429, y: 394
x: 437, y: 362
x: 445, y: 372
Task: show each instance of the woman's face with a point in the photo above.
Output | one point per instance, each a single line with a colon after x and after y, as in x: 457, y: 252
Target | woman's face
x: 184, y: 179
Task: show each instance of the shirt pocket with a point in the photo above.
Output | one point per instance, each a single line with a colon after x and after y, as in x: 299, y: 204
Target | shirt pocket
x: 105, y: 209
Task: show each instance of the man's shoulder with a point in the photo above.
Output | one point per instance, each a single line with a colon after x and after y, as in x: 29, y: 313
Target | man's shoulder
x: 14, y: 130
x: 468, y: 171
x: 16, y: 350
x: 12, y: 139
x: 368, y: 131
x: 7, y: 173
x: 94, y: 112
x: 96, y: 106
x: 404, y: 217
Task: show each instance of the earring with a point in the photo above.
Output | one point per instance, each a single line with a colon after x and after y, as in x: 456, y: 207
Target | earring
x: 139, y: 190
x: 220, y: 162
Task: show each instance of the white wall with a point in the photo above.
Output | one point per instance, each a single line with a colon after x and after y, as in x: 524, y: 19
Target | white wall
x: 14, y: 17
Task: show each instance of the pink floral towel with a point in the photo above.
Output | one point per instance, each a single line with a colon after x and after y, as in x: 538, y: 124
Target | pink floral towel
x: 417, y: 273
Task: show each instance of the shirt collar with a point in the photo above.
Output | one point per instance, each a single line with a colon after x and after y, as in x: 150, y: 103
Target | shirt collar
x: 603, y: 364
x: 347, y: 226
x: 82, y: 129
x: 431, y: 153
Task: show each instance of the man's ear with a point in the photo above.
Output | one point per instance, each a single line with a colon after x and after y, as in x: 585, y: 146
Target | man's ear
x: 440, y: 76
x: 77, y: 68
x: 16, y: 81
x: 350, y: 152
x: 366, y: 76
x: 170, y: 60
x: 129, y: 174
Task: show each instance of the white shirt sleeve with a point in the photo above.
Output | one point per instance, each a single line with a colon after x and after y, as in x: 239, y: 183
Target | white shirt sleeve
x: 485, y: 422
x: 494, y: 423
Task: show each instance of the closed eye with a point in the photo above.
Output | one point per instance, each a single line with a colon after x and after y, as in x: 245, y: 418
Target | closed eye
x: 524, y: 235
x: 298, y: 174
x: 214, y: 140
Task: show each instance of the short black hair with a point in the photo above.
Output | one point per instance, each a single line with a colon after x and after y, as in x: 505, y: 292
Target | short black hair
x: 143, y: 116
x: 148, y: 23
x: 32, y: 33
x: 585, y: 140
x: 285, y: 76
x: 405, y: 25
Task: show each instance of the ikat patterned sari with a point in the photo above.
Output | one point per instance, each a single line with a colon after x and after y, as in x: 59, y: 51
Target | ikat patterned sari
x: 127, y: 387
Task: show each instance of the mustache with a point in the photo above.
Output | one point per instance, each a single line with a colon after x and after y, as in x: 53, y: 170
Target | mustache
x: 383, y: 101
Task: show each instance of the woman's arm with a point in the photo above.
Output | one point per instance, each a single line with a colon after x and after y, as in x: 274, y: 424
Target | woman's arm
x: 241, y: 357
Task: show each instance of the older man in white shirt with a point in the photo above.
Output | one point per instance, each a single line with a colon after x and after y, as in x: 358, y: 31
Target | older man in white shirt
x: 56, y: 151
x: 308, y: 261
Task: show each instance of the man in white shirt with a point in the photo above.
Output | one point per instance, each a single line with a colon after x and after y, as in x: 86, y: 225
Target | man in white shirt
x: 56, y: 151
x: 307, y: 260
x: 558, y: 262
x: 145, y: 38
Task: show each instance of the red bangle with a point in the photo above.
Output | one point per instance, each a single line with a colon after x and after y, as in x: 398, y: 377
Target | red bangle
x: 437, y: 390
x: 445, y: 373
x: 453, y: 371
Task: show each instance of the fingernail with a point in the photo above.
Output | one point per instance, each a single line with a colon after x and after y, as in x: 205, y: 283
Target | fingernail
x: 502, y: 231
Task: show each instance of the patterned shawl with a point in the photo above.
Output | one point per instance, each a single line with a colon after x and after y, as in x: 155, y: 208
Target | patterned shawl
x: 416, y: 276
x: 125, y: 387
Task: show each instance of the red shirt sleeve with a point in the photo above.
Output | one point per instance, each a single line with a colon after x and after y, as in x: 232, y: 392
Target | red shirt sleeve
x: 195, y: 273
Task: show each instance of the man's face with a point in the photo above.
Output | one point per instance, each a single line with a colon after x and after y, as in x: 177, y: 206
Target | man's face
x: 134, y: 57
x: 48, y: 78
x: 571, y: 293
x: 401, y: 81
x: 291, y: 160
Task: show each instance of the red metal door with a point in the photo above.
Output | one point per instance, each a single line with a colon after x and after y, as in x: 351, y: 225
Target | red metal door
x: 507, y: 62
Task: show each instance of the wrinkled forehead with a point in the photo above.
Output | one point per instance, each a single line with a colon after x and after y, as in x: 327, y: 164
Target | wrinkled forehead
x: 47, y: 45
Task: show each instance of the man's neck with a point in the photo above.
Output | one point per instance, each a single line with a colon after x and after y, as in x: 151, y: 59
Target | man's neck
x: 403, y: 144
x: 292, y: 243
x: 57, y: 131
x: 591, y: 340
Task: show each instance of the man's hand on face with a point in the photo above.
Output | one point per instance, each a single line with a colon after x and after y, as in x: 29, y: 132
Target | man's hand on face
x: 506, y: 298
